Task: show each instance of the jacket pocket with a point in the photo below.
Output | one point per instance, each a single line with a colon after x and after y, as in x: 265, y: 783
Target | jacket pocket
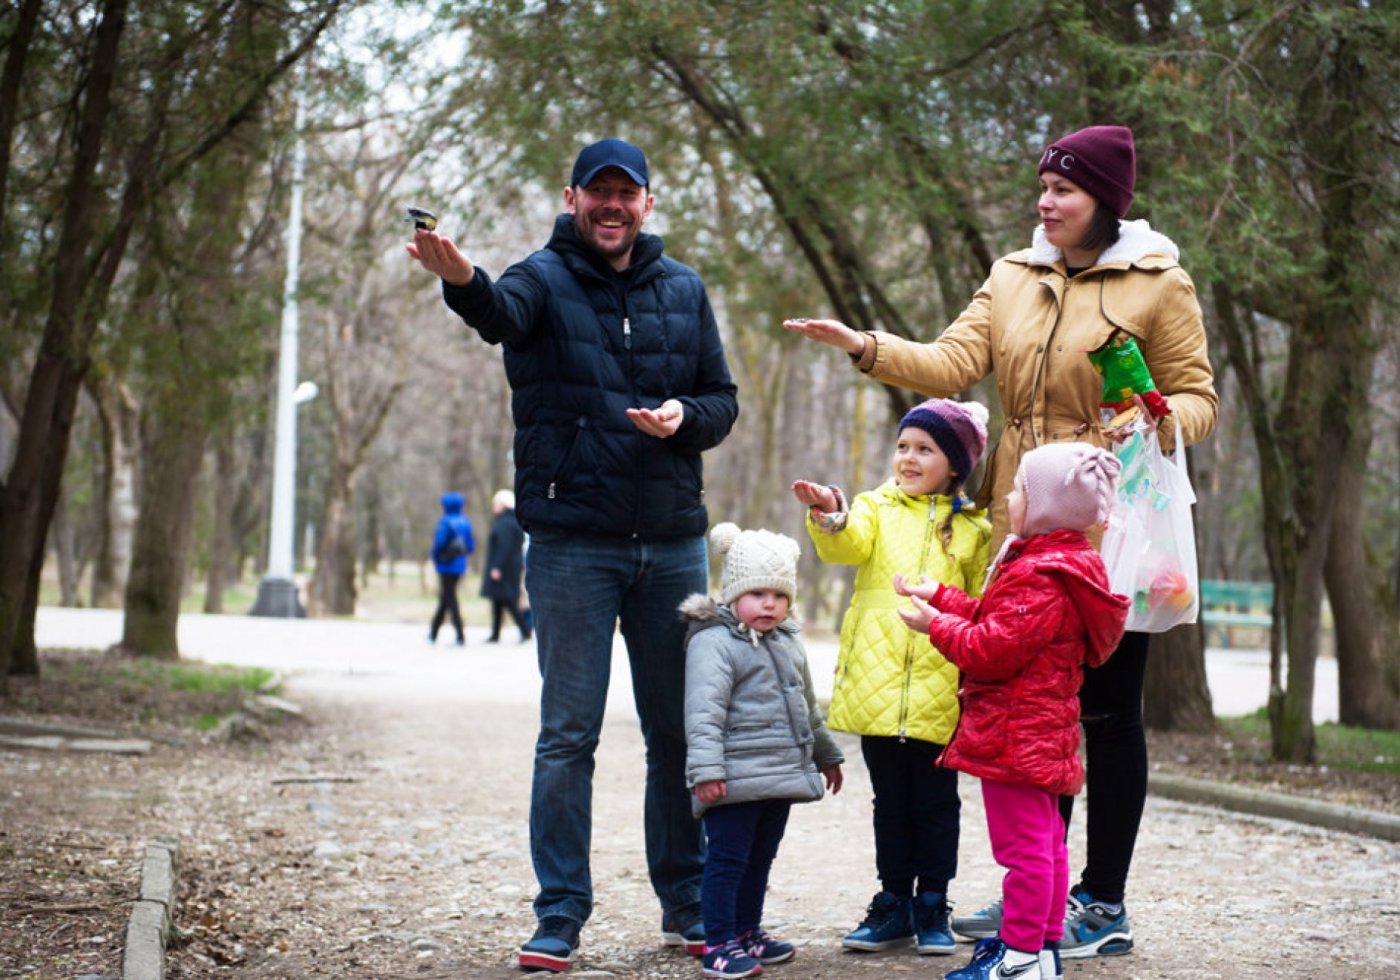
x: 563, y: 476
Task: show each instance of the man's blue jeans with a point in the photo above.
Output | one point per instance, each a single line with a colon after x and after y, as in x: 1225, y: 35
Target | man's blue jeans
x: 580, y: 588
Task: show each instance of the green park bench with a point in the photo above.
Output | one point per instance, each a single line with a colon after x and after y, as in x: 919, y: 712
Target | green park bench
x: 1227, y: 606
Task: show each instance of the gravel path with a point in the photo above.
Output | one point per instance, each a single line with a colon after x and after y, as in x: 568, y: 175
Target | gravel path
x: 418, y: 864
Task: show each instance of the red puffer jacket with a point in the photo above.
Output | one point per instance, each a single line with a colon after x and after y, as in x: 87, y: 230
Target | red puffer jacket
x: 1022, y: 649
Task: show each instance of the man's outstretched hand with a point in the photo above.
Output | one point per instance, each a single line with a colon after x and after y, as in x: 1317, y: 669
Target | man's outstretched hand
x: 440, y: 256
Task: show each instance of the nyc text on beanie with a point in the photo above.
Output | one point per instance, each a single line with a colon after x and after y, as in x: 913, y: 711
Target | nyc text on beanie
x: 1100, y: 159
x: 754, y: 560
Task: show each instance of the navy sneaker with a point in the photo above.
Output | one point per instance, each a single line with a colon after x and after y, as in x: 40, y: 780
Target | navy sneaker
x: 1093, y: 929
x: 889, y: 922
x: 981, y: 924
x: 1050, y: 968
x: 684, y: 929
x: 931, y: 933
x: 729, y: 960
x: 989, y: 963
x: 765, y: 948
x: 552, y: 947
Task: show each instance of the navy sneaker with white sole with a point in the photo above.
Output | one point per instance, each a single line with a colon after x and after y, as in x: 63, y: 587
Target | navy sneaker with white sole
x: 684, y: 929
x: 553, y: 946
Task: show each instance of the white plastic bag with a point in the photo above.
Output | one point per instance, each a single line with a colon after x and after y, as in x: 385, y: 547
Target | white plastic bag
x: 1149, y: 545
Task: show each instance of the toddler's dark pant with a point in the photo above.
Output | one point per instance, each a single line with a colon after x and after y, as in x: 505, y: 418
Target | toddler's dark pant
x: 1115, y: 750
x: 447, y: 605
x: 741, y: 841
x: 917, y: 812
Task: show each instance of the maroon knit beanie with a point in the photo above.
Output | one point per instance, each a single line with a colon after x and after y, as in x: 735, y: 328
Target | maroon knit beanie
x: 1101, y: 160
x: 959, y: 429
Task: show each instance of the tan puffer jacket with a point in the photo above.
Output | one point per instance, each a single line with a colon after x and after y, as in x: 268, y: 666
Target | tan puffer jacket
x: 889, y: 679
x: 1030, y: 326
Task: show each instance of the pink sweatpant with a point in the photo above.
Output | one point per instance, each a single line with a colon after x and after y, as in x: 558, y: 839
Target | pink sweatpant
x: 1028, y: 840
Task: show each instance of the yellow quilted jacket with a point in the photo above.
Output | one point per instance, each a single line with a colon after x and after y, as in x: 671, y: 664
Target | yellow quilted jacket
x: 889, y: 679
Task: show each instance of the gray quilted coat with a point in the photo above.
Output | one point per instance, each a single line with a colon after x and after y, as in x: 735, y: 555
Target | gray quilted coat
x: 751, y: 715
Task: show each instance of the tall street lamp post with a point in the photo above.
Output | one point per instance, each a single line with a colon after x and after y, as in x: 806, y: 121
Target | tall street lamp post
x: 277, y: 592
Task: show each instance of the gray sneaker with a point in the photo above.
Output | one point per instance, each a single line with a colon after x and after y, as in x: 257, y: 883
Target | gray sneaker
x: 980, y: 924
x: 1092, y: 930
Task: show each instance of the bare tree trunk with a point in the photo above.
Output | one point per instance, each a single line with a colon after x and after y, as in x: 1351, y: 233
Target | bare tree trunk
x: 333, y: 585
x: 1177, y: 697
x: 174, y: 453
x: 28, y: 496
x: 1363, y: 610
x: 221, y: 543
x: 63, y: 540
x: 11, y: 81
x: 119, y: 423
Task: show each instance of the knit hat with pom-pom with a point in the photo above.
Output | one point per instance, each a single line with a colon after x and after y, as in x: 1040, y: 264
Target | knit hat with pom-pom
x: 959, y: 428
x: 1067, y: 485
x: 754, y: 560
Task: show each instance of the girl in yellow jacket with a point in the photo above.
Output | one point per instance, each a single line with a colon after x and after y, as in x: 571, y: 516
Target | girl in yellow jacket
x: 896, y: 692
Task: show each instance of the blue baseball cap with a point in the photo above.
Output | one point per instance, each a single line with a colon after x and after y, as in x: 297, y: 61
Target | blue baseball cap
x: 599, y: 156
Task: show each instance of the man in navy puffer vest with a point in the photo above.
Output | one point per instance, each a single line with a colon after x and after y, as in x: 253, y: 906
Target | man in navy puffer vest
x: 618, y: 384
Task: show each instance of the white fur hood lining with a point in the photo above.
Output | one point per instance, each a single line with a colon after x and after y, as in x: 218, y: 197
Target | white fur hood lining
x: 1135, y: 240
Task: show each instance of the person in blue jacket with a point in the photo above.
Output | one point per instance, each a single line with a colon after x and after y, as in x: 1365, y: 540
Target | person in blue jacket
x: 452, y: 543
x: 618, y: 384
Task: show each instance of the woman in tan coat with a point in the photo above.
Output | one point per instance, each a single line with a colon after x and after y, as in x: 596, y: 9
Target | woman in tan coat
x: 1087, y: 275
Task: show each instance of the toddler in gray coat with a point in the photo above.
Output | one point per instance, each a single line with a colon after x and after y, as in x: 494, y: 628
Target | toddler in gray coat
x: 756, y: 740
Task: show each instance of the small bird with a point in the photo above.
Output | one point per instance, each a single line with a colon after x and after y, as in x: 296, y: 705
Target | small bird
x: 422, y: 219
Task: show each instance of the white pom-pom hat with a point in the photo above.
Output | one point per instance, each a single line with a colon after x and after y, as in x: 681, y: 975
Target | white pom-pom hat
x: 754, y: 560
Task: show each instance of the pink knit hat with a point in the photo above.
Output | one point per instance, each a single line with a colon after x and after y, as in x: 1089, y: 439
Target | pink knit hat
x: 1100, y: 159
x: 959, y: 429
x: 1067, y: 485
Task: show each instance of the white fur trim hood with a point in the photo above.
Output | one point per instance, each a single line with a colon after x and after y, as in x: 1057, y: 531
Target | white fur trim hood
x: 1135, y: 240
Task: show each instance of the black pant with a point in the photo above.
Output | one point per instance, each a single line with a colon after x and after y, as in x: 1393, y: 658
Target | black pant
x: 1115, y: 750
x: 447, y: 605
x: 917, y: 812
x: 499, y: 606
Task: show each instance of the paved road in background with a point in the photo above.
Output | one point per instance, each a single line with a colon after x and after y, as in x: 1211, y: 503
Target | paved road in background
x: 360, y: 654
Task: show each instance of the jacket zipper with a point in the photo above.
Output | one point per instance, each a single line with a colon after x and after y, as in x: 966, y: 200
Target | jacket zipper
x: 1044, y: 353
x: 909, y: 647
x: 787, y: 706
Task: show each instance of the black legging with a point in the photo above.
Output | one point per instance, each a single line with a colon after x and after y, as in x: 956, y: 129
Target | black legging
x: 447, y: 605
x: 916, y: 814
x: 1115, y: 749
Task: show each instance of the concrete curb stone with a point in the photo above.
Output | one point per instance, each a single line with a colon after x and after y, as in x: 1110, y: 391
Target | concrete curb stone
x: 152, y: 915
x: 1261, y: 803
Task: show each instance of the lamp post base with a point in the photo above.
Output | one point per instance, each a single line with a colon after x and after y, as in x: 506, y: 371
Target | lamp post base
x: 277, y: 597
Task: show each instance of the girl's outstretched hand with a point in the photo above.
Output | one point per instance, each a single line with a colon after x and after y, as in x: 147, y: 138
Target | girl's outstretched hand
x: 920, y: 617
x: 925, y: 588
x: 834, y: 779
x: 831, y: 332
x: 816, y: 495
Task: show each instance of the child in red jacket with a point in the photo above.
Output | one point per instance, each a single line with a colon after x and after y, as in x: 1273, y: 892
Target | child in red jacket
x: 1046, y: 612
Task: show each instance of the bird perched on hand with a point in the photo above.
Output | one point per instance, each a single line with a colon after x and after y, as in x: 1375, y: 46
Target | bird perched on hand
x: 422, y: 218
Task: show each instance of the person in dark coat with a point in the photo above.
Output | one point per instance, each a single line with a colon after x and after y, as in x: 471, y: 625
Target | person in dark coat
x: 452, y: 543
x: 500, y: 579
x: 618, y: 384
